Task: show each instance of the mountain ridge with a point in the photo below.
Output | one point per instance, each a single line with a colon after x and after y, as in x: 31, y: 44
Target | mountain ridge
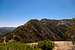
x: 37, y: 30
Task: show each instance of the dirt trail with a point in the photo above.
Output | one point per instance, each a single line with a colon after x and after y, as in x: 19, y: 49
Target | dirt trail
x: 63, y: 45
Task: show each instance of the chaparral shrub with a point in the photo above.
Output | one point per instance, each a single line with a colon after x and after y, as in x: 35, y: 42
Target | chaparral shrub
x: 46, y: 45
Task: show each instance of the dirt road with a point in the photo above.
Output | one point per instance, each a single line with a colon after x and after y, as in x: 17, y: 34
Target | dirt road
x: 63, y: 45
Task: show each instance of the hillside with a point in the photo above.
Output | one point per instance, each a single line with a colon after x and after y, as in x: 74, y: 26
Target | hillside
x: 37, y: 30
x: 4, y: 30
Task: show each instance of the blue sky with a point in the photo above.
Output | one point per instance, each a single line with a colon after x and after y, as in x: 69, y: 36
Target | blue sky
x: 16, y: 12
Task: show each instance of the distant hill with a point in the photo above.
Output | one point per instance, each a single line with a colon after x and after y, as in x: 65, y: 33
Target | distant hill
x: 4, y: 30
x: 36, y: 30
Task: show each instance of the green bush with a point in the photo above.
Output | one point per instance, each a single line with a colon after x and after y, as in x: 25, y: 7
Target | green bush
x: 46, y: 45
x: 16, y: 46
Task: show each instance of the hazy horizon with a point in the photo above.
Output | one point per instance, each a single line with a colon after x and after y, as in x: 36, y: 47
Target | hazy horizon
x: 14, y: 13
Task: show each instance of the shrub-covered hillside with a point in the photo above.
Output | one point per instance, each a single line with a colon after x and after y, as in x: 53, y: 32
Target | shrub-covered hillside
x: 37, y: 30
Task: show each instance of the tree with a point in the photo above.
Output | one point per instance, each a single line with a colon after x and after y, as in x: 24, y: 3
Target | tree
x: 46, y: 45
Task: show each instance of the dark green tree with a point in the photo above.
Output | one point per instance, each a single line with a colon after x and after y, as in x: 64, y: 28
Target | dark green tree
x: 46, y: 45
